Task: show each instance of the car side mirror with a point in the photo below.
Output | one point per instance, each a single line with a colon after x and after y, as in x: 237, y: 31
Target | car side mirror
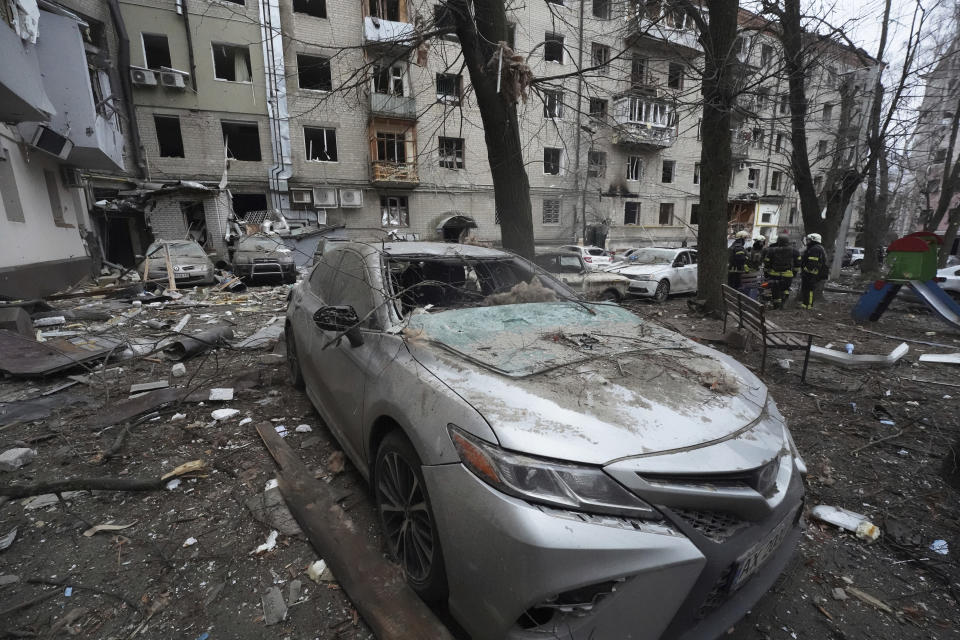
x: 341, y: 319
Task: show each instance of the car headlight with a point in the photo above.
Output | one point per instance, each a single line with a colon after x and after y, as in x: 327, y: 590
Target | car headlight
x: 544, y: 481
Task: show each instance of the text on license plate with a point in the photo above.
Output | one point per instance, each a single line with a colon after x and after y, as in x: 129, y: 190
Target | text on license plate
x: 181, y: 275
x: 752, y: 560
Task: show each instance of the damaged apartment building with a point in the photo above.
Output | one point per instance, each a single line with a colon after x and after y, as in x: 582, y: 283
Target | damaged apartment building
x: 199, y: 113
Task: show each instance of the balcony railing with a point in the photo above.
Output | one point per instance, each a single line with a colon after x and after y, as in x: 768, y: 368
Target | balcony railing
x: 390, y: 106
x: 644, y: 135
x: 387, y: 33
x: 661, y: 32
x: 394, y: 174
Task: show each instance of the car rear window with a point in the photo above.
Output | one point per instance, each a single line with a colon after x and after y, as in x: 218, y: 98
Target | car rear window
x: 596, y: 252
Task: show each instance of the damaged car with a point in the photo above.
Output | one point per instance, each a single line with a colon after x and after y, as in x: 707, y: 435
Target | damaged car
x: 261, y: 257
x: 570, y: 269
x: 547, y: 466
x: 658, y: 272
x: 189, y: 262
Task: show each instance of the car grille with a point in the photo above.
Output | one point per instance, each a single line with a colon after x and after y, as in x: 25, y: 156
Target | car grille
x: 715, y: 525
x: 718, y: 594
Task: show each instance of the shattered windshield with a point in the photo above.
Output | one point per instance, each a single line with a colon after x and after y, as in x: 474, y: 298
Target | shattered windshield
x: 652, y: 256
x: 260, y: 243
x: 178, y: 250
x: 455, y: 282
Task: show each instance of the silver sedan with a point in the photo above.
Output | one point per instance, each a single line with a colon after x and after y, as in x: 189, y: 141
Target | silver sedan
x: 544, y: 464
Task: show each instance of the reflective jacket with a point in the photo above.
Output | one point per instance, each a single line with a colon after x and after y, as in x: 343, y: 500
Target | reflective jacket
x: 780, y: 260
x: 814, y: 260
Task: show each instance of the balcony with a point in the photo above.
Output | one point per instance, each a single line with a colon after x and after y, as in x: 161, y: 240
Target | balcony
x: 387, y: 35
x: 660, y: 32
x: 644, y: 136
x: 646, y: 84
x: 391, y: 106
x: 643, y: 123
x: 22, y: 95
x: 401, y: 175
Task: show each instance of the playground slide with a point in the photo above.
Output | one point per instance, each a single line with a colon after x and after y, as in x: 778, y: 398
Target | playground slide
x: 938, y: 300
x: 875, y: 301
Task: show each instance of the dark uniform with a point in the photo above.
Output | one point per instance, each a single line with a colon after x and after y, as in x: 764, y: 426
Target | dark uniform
x: 780, y: 263
x: 813, y: 268
x: 737, y: 263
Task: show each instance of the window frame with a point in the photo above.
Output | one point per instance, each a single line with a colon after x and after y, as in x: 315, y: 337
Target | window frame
x: 329, y: 72
x: 307, y: 13
x: 635, y: 167
x: 637, y: 207
x: 447, y: 98
x: 213, y: 60
x: 553, y: 104
x: 553, y: 39
x: 673, y: 171
x: 143, y: 45
x: 457, y: 155
x: 248, y: 123
x: 160, y: 144
x: 402, y: 207
x: 596, y: 169
x: 559, y: 161
x: 326, y: 131
x: 670, y: 208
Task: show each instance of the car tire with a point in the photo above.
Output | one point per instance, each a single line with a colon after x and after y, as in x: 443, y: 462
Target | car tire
x: 610, y: 295
x: 293, y: 359
x: 662, y: 291
x: 406, y: 517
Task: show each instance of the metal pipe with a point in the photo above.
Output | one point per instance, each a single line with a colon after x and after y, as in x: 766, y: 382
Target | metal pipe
x: 186, y: 27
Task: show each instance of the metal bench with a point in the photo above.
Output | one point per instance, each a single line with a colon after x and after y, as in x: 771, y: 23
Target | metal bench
x: 749, y: 315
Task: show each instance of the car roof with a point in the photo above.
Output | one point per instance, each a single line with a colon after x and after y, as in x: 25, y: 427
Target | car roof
x: 428, y: 249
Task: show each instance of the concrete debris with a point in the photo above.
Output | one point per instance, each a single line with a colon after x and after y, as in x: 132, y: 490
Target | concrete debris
x: 9, y: 579
x: 149, y: 386
x: 178, y: 328
x: 177, y: 416
x: 271, y: 509
x: 838, y: 593
x: 940, y: 546
x: 319, y: 572
x: 244, y: 421
x: 8, y: 539
x: 178, y: 370
x: 173, y: 484
x: 189, y: 542
x: 942, y: 358
x: 848, y: 520
x: 274, y: 608
x: 221, y: 395
x: 303, y: 428
x: 268, y: 545
x: 13, y: 459
x: 263, y: 338
x: 17, y: 320
x: 51, y: 321
x: 47, y: 499
x: 272, y: 359
x: 293, y: 591
x: 847, y: 359
x: 224, y: 414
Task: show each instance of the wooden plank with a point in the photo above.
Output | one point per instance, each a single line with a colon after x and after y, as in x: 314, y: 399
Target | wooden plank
x: 171, y: 281
x: 376, y: 587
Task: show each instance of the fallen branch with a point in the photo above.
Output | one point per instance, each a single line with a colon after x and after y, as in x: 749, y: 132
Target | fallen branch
x: 81, y: 484
x: 945, y: 384
x: 878, y: 441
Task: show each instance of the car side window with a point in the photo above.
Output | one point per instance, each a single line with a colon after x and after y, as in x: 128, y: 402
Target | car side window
x: 693, y: 257
x: 350, y: 286
x: 570, y: 264
x: 323, y: 274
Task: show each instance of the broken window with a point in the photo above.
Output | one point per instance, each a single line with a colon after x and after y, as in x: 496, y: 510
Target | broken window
x: 451, y: 153
x: 391, y: 147
x: 596, y: 164
x: 448, y: 88
x: 553, y: 104
x: 784, y: 103
x: 195, y: 221
x: 827, y: 112
x: 601, y: 9
x: 169, y: 138
x: 695, y: 213
x: 631, y: 213
x: 315, y: 8
x: 778, y: 143
x: 666, y: 213
x: 231, y: 62
x: 696, y: 173
x: 666, y: 174
x: 242, y: 140
x: 313, y: 73
x: 394, y: 211
x: 320, y: 144
x: 766, y: 54
x: 386, y: 9
x: 600, y: 55
x: 551, y: 212
x: 553, y: 47
x: 758, y: 135
x: 551, y: 160
x: 753, y: 178
x: 638, y: 71
x: 634, y: 168
x: 388, y: 80
x: 776, y: 180
x: 675, y: 76
x: 598, y: 108
x: 822, y: 148
x: 156, y: 50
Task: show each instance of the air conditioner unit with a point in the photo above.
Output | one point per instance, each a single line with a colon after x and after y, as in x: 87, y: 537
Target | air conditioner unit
x: 143, y: 77
x: 50, y: 141
x: 301, y: 196
x: 325, y: 197
x: 351, y: 197
x: 173, y: 79
x: 71, y: 176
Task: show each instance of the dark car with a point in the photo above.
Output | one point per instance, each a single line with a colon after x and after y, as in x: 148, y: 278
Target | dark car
x: 264, y: 257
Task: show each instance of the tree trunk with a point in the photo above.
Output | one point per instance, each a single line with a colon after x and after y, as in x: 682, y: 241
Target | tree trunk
x: 950, y: 236
x: 719, y: 93
x: 478, y: 36
x: 951, y: 174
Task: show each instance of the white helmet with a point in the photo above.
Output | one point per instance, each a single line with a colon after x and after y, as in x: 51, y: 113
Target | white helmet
x: 814, y: 237
x: 742, y: 234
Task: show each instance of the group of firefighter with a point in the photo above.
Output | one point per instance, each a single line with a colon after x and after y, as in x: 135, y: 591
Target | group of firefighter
x: 777, y: 265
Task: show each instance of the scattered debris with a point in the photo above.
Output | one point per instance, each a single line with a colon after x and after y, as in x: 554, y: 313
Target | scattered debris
x: 838, y: 593
x: 173, y: 484
x: 303, y: 428
x: 9, y: 579
x: 49, y: 321
x: 270, y: 508
x: 319, y: 572
x: 189, y: 346
x: 293, y: 591
x: 21, y: 356
x: 178, y: 370
x: 8, y: 539
x: 940, y: 546
x: 846, y: 519
x: 189, y: 542
x: 13, y: 459
x: 335, y: 462
x: 263, y: 338
x: 194, y: 466
x: 106, y: 527
x: 244, y: 421
x: 274, y: 608
x: 178, y: 328
x: 869, y: 599
x: 944, y: 358
x: 148, y: 386
x: 221, y: 395
x: 268, y: 545
x: 849, y: 360
x: 17, y: 320
x: 223, y: 414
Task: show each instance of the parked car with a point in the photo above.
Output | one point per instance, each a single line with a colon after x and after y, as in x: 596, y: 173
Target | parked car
x: 657, y: 272
x: 950, y: 280
x: 550, y: 469
x: 570, y: 269
x: 263, y: 257
x: 595, y: 257
x: 852, y: 257
x: 189, y: 261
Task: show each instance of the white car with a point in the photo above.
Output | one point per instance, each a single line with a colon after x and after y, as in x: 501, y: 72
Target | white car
x: 594, y: 257
x: 657, y: 272
x: 573, y: 272
x: 951, y: 281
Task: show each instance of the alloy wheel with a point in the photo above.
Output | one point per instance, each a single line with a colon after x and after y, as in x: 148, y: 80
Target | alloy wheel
x: 405, y: 516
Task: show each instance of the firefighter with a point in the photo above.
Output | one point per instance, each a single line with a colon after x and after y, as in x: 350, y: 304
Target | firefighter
x: 779, y: 265
x: 813, y: 269
x: 756, y: 253
x: 737, y: 263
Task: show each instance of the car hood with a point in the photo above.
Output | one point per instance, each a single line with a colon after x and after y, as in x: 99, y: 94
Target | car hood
x: 642, y: 269
x: 249, y: 256
x: 586, y: 383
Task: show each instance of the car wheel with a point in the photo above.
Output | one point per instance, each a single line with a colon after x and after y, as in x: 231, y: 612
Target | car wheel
x: 663, y: 290
x: 610, y: 295
x: 406, y: 517
x: 293, y: 358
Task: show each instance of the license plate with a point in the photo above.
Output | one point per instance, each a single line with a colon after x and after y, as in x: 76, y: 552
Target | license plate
x: 181, y: 275
x: 750, y: 562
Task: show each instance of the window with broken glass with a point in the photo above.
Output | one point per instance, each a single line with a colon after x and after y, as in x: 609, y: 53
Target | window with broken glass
x: 634, y: 168
x: 394, y: 211
x: 231, y: 62
x: 551, y: 160
x: 391, y: 147
x: 242, y: 140
x: 600, y: 56
x: 313, y: 73
x: 552, y: 104
x: 753, y: 178
x: 448, y: 88
x: 598, y: 108
x: 315, y: 8
x: 631, y: 213
x: 320, y: 144
x: 451, y: 153
x: 388, y: 79
x: 553, y: 47
x: 596, y: 164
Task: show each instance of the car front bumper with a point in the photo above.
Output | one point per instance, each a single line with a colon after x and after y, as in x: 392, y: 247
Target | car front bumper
x: 265, y: 270
x: 505, y: 558
x: 642, y: 288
